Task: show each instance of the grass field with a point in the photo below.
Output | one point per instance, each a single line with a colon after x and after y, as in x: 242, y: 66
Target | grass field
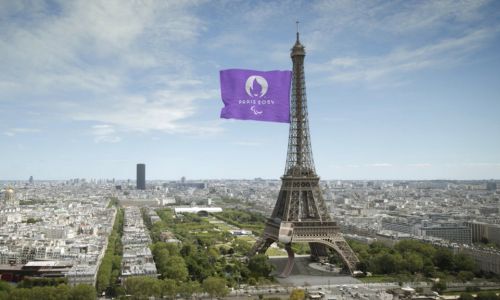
x: 275, y: 252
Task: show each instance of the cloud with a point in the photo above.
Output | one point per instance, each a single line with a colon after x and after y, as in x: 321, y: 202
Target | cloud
x: 420, y: 165
x: 407, y: 37
x: 61, y: 50
x: 404, y: 60
x: 397, y: 17
x: 480, y: 164
x: 15, y: 131
x: 120, y: 63
x: 248, y: 143
x: 165, y: 110
x: 105, y: 133
x: 379, y: 165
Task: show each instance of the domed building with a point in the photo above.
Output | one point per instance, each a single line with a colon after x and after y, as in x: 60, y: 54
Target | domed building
x: 9, y: 197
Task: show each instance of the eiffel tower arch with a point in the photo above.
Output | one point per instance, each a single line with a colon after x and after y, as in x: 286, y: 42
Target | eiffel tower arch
x: 300, y: 214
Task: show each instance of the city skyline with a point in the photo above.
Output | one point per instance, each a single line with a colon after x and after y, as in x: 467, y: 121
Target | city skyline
x: 395, y: 90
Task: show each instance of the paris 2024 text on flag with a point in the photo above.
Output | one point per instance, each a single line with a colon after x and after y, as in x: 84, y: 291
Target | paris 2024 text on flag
x: 256, y: 95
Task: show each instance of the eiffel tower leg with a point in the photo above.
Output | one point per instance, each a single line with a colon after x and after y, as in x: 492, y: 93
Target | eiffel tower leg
x: 339, y: 245
x: 261, y: 246
x: 317, y: 251
x: 269, y: 236
x: 291, y: 261
x: 348, y: 255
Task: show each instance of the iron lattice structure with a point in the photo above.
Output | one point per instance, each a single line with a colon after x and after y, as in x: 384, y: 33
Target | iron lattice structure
x: 300, y: 214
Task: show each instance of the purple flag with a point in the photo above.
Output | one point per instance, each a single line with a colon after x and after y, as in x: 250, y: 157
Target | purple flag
x: 256, y: 95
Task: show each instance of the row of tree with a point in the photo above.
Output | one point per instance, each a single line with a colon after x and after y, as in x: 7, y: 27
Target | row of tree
x: 109, y: 271
x: 142, y: 287
x: 60, y: 292
x: 243, y: 219
x: 413, y: 257
x: 485, y: 295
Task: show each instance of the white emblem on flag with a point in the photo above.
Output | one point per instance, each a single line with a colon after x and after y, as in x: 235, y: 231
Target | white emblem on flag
x: 256, y: 86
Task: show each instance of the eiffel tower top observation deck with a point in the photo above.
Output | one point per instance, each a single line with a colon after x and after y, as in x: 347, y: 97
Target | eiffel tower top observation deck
x: 299, y: 161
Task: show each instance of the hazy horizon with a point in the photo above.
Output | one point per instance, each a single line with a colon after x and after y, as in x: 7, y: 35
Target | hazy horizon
x: 276, y: 179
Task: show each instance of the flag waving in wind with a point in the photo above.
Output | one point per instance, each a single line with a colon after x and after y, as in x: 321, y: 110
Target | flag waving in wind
x: 256, y: 95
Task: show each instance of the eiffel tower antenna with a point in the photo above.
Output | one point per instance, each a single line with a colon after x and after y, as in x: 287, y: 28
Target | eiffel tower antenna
x: 300, y: 214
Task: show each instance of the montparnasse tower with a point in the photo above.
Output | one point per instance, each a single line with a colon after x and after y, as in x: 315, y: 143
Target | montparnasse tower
x: 300, y: 214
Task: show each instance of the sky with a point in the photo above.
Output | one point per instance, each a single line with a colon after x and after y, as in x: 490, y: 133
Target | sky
x: 396, y: 89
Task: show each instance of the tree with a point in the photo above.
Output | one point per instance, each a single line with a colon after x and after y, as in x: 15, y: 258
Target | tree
x: 20, y: 294
x: 439, y: 286
x: 414, y: 262
x: 104, y: 273
x: 63, y: 290
x: 425, y: 249
x: 241, y: 246
x: 298, y: 294
x: 189, y: 288
x: 464, y: 262
x: 465, y: 276
x: 215, y: 286
x: 4, y: 295
x: 466, y: 296
x: 83, y: 292
x: 487, y: 296
x: 199, y: 266
x: 429, y: 269
x: 172, y: 248
x: 443, y: 259
x: 175, y: 268
x: 42, y: 293
x: 142, y: 286
x: 169, y: 288
x: 386, y: 263
x: 362, y: 266
x: 161, y: 255
x: 187, y: 249
x: 259, y: 266
x: 5, y: 286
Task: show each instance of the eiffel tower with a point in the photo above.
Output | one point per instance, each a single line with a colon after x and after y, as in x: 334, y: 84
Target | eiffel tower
x: 300, y: 214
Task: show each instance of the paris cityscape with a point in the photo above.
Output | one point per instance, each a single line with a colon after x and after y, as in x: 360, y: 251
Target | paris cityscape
x: 121, y: 176
x: 64, y: 226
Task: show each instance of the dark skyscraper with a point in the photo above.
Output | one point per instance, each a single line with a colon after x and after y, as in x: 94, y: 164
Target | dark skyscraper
x: 141, y: 176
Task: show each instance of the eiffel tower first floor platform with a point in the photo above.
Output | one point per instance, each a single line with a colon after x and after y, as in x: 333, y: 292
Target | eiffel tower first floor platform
x: 320, y: 235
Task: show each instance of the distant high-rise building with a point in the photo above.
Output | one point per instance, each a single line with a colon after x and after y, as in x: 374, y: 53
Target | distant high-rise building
x: 31, y: 180
x: 141, y: 176
x: 491, y: 186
